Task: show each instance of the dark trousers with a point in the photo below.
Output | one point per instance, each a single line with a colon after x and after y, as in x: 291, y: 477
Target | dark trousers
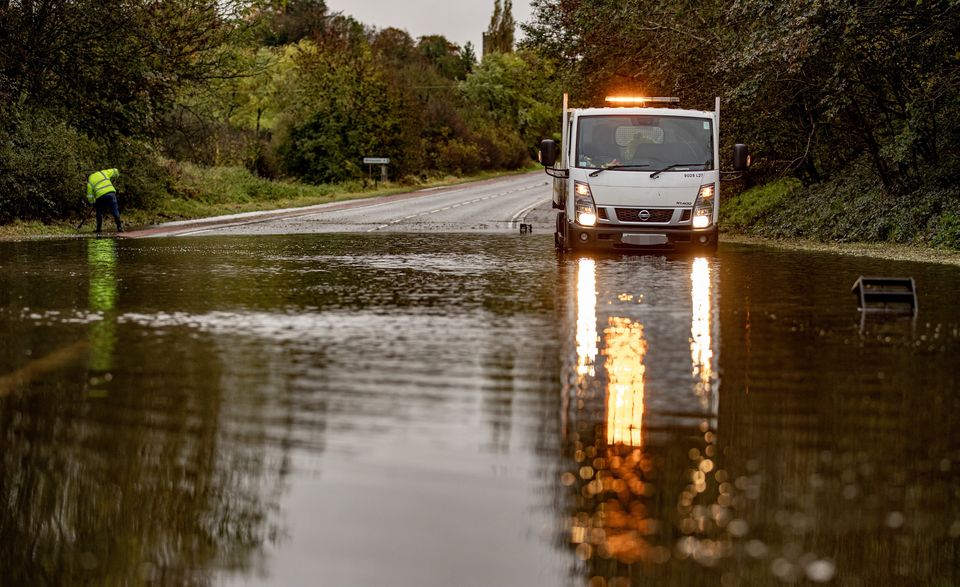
x: 105, y: 204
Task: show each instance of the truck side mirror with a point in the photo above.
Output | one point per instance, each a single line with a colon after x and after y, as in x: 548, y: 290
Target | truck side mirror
x: 548, y: 153
x: 741, y: 157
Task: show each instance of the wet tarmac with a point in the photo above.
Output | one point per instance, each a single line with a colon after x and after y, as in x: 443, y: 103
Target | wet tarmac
x: 498, y: 205
x: 424, y: 409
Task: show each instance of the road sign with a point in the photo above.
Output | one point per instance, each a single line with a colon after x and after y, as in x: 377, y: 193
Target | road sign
x: 376, y: 160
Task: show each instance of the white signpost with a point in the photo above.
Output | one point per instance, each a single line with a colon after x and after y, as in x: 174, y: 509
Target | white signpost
x: 381, y: 161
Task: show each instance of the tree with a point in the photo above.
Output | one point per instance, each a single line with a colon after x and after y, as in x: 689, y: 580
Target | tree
x: 499, y: 35
x: 878, y: 79
x: 289, y: 21
x: 515, y: 93
x: 351, y: 110
x: 664, y: 47
x: 444, y: 56
x: 115, y: 74
x: 394, y: 46
x: 468, y: 56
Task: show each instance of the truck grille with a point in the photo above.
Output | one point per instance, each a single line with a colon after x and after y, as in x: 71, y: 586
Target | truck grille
x: 633, y: 214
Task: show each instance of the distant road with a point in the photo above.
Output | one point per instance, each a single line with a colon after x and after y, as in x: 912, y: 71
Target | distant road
x: 497, y: 205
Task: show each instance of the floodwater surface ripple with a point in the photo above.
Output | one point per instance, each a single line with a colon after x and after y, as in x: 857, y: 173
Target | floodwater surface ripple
x: 470, y: 410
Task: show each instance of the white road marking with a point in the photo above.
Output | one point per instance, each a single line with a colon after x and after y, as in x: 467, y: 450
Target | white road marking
x: 468, y: 202
x: 519, y: 216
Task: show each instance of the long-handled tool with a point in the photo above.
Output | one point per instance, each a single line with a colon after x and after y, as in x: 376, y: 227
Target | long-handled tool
x: 85, y: 217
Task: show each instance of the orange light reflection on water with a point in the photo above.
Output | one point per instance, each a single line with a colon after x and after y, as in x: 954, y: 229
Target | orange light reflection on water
x: 701, y: 349
x: 586, y: 317
x: 625, y: 348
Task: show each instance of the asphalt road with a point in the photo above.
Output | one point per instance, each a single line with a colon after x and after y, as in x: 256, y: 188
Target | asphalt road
x: 493, y: 206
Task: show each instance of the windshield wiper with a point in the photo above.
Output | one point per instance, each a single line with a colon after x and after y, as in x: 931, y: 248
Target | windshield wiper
x: 597, y: 172
x: 675, y: 165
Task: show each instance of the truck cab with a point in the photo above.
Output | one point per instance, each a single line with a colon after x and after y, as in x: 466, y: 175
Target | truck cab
x: 638, y: 175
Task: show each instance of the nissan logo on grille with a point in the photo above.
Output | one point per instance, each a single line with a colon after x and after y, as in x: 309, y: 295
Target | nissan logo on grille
x: 644, y: 214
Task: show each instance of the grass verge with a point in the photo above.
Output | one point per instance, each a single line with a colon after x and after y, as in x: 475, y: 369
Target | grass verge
x: 891, y: 251
x: 202, y: 192
x: 850, y: 214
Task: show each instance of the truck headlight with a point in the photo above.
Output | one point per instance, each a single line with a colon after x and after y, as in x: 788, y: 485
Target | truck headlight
x: 584, y: 208
x: 703, y: 208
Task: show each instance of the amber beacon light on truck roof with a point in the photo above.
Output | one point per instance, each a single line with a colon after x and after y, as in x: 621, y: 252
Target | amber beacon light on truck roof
x: 640, y: 100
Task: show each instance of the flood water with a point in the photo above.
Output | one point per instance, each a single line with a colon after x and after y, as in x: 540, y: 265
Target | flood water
x: 420, y: 410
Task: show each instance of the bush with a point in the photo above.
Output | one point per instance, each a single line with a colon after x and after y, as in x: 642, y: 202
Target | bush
x: 501, y: 148
x: 144, y: 180
x: 851, y: 207
x: 209, y: 142
x: 458, y: 157
x: 743, y: 211
x: 44, y: 163
x: 237, y: 185
x: 948, y: 231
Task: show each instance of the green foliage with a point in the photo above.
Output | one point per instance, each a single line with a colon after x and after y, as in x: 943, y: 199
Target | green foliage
x: 111, y: 67
x: 458, y: 157
x: 853, y: 207
x: 44, y: 163
x: 948, y: 231
x: 444, y: 56
x: 515, y: 91
x: 501, y: 150
x: 236, y: 185
x: 144, y: 178
x: 230, y: 121
x: 840, y: 210
x: 386, y: 96
x: 468, y: 56
x: 659, y: 48
x: 87, y: 85
x: 354, y: 114
x: 743, y: 211
x: 284, y: 22
x: 841, y: 80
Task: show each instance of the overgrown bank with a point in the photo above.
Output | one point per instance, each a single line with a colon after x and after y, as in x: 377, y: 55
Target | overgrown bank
x: 850, y: 208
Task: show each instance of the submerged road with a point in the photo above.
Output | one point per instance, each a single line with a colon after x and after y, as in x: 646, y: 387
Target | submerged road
x: 492, y: 206
x: 391, y: 406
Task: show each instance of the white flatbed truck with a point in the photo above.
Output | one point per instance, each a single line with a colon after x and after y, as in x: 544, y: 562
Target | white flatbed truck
x: 638, y: 175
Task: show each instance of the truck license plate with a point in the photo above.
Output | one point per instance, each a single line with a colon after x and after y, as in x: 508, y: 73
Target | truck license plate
x: 645, y: 239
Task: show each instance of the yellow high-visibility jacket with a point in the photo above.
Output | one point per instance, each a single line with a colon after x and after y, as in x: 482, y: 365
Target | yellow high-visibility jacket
x: 99, y: 184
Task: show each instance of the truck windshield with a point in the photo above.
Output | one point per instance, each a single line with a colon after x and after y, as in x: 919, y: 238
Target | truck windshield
x: 640, y: 142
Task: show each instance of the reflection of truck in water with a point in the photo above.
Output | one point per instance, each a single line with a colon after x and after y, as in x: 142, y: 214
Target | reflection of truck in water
x: 639, y: 419
x: 639, y: 176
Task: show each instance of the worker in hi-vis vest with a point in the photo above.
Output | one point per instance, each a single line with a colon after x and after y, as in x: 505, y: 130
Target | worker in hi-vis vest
x: 102, y: 195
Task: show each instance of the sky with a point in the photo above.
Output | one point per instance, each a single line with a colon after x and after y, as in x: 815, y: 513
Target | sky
x: 457, y: 20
